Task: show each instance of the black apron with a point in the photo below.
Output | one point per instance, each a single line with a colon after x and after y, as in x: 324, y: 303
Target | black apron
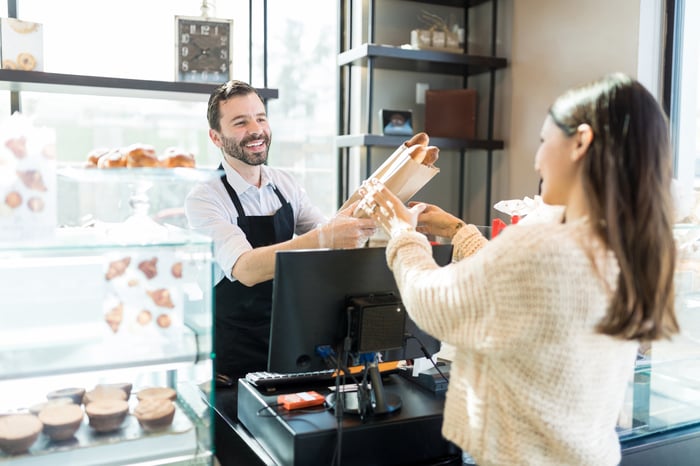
x: 242, y: 315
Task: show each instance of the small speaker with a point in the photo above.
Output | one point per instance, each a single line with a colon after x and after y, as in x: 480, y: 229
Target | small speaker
x: 377, y: 322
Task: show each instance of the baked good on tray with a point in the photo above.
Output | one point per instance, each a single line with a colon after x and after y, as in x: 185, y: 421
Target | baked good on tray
x: 36, y: 409
x: 177, y: 157
x: 103, y: 392
x: 163, y: 393
x: 74, y: 393
x: 107, y: 415
x: 61, y: 422
x: 141, y: 155
x: 124, y: 386
x: 18, y: 432
x: 155, y: 413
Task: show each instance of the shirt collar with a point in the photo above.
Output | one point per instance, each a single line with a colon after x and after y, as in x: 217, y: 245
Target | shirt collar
x: 239, y: 184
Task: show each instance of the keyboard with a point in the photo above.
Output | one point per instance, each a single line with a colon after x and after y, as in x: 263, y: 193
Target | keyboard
x: 271, y: 381
x: 274, y: 380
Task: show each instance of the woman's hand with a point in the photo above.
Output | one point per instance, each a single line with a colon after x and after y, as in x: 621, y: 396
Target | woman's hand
x: 435, y: 221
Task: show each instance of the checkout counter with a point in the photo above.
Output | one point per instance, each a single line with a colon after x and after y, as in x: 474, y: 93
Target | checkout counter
x: 266, y: 434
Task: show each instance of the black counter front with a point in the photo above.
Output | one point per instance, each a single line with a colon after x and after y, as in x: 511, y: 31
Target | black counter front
x: 409, y: 436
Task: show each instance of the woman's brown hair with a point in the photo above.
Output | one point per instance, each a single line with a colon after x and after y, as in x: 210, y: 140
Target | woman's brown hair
x: 627, y: 174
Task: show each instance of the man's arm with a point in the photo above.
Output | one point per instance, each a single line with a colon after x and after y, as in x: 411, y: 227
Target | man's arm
x: 341, y: 232
x: 258, y: 264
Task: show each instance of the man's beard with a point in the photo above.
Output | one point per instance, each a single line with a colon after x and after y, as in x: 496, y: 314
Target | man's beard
x: 238, y: 150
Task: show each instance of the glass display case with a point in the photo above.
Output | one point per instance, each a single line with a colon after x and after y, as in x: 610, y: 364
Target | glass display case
x: 664, y: 395
x: 103, y: 303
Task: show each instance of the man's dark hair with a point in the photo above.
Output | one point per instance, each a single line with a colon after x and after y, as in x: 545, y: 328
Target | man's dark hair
x: 222, y: 93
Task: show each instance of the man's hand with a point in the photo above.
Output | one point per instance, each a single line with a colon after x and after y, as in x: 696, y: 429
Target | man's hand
x: 344, y: 231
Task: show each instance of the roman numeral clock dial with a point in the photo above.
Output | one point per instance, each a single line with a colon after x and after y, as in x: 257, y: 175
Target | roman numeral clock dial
x: 203, y: 49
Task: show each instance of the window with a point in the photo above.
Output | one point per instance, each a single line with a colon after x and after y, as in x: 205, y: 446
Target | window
x: 685, y: 92
x: 135, y: 39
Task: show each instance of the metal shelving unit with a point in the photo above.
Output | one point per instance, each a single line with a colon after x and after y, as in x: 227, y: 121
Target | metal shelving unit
x: 39, y: 81
x: 373, y: 56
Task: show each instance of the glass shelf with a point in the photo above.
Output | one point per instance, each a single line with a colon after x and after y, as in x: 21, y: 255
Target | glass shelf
x: 90, y: 301
x: 90, y: 447
x: 130, y: 175
x: 40, y: 81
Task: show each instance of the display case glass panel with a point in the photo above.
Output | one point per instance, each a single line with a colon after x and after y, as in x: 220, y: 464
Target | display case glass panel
x: 664, y: 393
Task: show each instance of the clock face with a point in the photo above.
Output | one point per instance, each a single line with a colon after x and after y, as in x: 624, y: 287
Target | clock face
x: 203, y: 49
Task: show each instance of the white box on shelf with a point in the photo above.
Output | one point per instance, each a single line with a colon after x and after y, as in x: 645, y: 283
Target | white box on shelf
x: 27, y: 180
x: 21, y: 45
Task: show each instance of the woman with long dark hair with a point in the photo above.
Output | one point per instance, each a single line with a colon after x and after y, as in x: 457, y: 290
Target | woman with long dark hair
x: 546, y: 318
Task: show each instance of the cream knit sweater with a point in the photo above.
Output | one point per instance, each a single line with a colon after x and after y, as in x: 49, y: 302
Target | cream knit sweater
x: 531, y: 382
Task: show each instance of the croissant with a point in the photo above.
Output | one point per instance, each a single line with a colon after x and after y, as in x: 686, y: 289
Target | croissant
x: 117, y: 268
x: 161, y: 297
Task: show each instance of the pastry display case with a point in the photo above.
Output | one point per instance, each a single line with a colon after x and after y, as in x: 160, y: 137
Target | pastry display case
x: 664, y: 391
x: 106, y: 324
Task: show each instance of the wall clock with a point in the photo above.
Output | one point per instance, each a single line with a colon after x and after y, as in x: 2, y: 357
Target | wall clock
x: 203, y: 49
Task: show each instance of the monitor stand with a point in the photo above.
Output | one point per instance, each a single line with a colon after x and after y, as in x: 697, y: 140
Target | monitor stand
x: 367, y: 401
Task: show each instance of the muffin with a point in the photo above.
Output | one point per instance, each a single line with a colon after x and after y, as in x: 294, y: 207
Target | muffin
x: 163, y: 393
x: 74, y: 393
x: 155, y: 413
x: 61, y: 422
x: 107, y: 415
x: 36, y: 409
x: 103, y: 392
x: 124, y: 386
x: 18, y: 432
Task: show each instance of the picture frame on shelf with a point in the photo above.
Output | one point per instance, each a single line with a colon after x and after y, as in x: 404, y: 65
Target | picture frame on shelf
x: 397, y: 122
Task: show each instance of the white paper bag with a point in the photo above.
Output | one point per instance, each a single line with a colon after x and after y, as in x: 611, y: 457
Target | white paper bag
x: 401, y: 174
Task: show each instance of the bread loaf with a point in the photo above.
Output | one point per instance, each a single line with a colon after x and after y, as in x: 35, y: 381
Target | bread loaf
x: 418, y: 139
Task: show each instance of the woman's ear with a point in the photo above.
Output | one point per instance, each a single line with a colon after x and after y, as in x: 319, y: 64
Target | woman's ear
x: 584, y: 137
x: 215, y: 138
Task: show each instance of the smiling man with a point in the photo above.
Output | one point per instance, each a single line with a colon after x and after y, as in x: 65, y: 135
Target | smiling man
x: 252, y: 212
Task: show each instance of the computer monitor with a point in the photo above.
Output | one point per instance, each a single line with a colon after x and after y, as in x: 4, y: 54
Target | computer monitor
x: 310, y: 307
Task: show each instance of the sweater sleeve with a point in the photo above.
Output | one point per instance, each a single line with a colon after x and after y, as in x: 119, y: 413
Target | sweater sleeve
x: 504, y: 293
x: 467, y: 241
x: 434, y: 296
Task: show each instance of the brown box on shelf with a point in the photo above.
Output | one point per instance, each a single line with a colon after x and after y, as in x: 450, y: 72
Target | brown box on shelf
x: 450, y: 113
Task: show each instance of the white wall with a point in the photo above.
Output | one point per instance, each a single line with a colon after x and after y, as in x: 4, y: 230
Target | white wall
x: 557, y: 44
x: 550, y: 45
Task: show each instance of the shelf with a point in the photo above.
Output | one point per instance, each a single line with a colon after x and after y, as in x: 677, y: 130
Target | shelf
x: 428, y: 61
x: 38, y: 81
x: 177, y: 441
x: 352, y: 140
x: 136, y: 174
x: 454, y: 3
x: 92, y: 352
x: 94, y: 291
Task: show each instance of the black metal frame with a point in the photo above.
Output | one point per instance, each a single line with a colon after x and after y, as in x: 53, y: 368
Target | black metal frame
x: 376, y: 56
x: 16, y: 81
